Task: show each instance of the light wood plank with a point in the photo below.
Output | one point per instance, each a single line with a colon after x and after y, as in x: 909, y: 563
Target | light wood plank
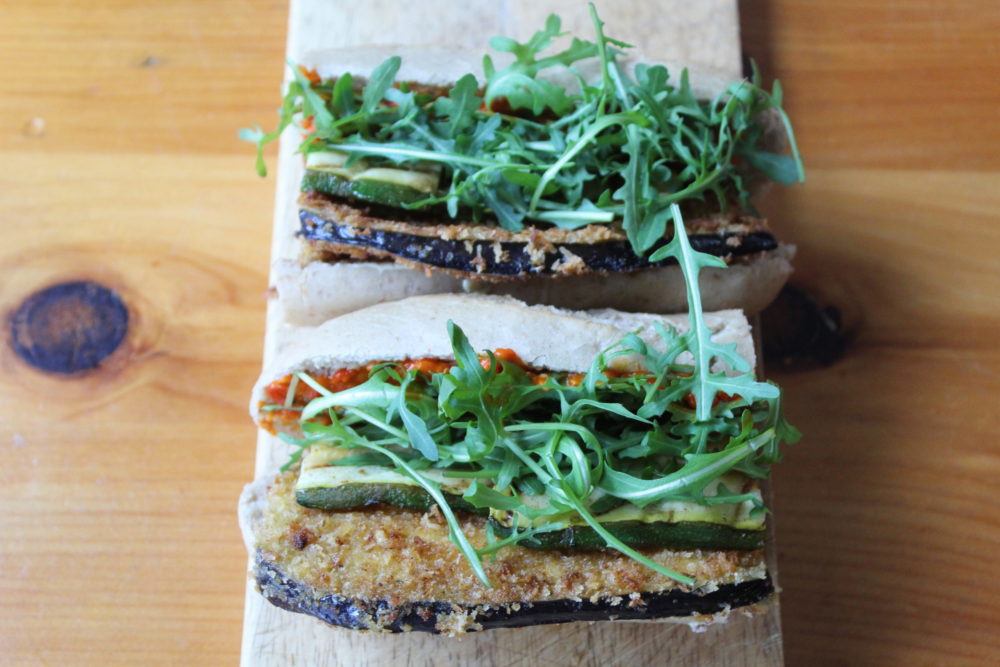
x: 273, y: 636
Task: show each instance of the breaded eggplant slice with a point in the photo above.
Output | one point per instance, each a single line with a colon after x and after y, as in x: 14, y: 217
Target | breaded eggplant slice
x: 394, y: 570
x: 336, y: 227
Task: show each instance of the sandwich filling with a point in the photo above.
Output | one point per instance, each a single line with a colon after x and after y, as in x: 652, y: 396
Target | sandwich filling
x: 548, y: 459
x: 520, y: 152
x: 339, y: 230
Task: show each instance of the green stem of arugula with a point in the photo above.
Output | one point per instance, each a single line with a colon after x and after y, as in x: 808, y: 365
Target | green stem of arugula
x: 323, y: 391
x: 455, y: 193
x: 485, y: 473
x: 374, y: 421
x: 584, y: 110
x: 691, y: 269
x: 624, y: 119
x: 345, y: 120
x: 398, y: 150
x: 679, y: 483
x: 620, y: 546
x: 543, y: 476
x: 611, y: 78
x: 457, y: 536
x: 586, y: 476
x: 692, y: 189
x: 296, y: 455
x: 574, y: 216
x: 602, y: 55
x: 548, y: 456
x: 580, y: 477
x: 786, y: 121
x: 518, y: 536
x: 293, y: 385
x: 585, y: 433
x: 579, y: 508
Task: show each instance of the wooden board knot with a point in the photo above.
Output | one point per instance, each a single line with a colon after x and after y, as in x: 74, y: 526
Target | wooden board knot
x: 69, y: 327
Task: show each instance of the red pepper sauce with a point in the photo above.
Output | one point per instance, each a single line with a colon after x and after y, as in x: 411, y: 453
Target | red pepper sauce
x: 286, y: 420
x: 345, y: 378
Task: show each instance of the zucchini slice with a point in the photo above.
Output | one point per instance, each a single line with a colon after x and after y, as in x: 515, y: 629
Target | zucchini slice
x: 639, y: 534
x: 352, y: 496
x: 371, y: 185
x: 335, y: 163
x: 322, y: 484
x: 678, y: 525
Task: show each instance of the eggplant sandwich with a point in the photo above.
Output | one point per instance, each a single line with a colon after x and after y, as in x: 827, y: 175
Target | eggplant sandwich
x: 466, y: 462
x: 540, y: 173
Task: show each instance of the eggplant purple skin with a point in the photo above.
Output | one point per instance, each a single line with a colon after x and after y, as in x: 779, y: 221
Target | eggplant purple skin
x: 479, y: 257
x: 284, y: 592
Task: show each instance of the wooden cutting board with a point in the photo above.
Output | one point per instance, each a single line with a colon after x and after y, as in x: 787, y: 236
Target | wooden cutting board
x: 704, y: 35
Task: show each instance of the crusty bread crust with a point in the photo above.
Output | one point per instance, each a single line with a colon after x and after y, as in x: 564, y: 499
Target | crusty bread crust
x: 311, y: 294
x: 544, y: 336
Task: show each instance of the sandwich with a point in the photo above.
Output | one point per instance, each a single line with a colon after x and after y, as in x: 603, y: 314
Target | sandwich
x: 549, y: 177
x: 464, y: 462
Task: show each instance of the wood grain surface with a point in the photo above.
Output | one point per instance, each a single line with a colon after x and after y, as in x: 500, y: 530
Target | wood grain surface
x: 120, y: 165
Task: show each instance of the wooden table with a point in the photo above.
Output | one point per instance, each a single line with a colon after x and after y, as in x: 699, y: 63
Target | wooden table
x: 120, y: 164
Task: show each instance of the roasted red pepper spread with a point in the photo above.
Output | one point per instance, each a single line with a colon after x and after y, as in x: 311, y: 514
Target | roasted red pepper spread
x: 345, y: 378
x: 286, y: 420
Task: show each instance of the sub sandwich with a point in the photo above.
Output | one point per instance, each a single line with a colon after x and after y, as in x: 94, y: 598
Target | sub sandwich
x: 465, y: 462
x: 549, y: 177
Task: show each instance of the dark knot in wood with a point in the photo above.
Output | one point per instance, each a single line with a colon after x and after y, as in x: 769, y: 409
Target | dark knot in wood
x: 69, y: 327
x: 798, y: 333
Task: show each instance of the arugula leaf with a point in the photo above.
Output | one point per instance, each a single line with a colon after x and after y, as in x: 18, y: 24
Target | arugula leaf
x: 373, y: 392
x: 416, y: 428
x: 380, y: 81
x: 519, y: 84
x: 312, y: 104
x: 342, y: 97
x: 525, y: 53
x: 699, y: 337
x: 482, y: 496
x: 780, y: 168
x: 699, y: 470
x: 289, y: 108
x: 460, y: 105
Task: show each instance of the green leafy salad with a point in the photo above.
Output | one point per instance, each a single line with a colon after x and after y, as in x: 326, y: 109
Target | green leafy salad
x: 566, y: 449
x: 514, y: 148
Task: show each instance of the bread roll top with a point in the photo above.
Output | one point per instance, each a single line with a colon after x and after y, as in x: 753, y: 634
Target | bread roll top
x: 544, y: 337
